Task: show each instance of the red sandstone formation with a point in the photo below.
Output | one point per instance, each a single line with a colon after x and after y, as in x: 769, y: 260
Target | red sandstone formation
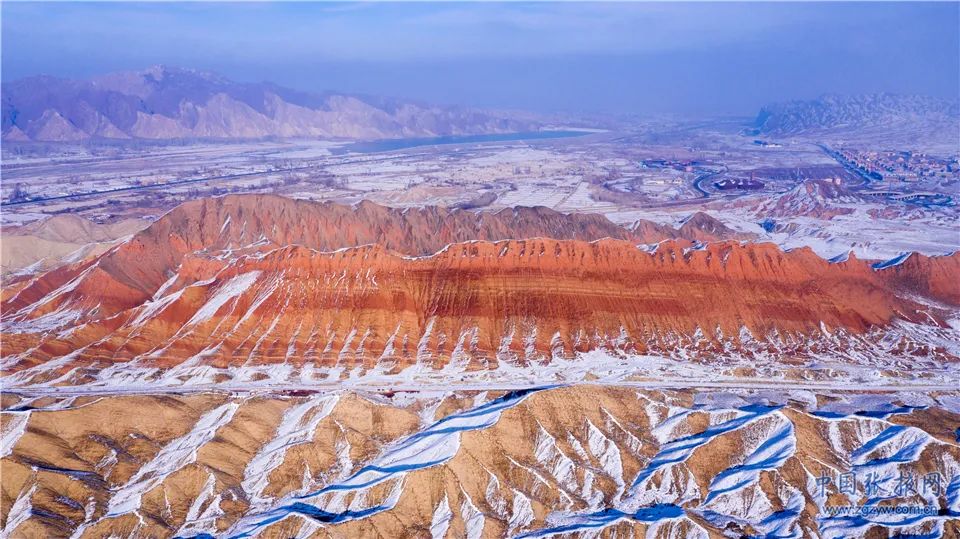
x: 236, y: 225
x: 260, y: 280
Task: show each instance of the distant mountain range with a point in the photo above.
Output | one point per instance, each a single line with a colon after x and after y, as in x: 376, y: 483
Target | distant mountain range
x: 165, y: 102
x: 170, y: 103
x: 839, y: 113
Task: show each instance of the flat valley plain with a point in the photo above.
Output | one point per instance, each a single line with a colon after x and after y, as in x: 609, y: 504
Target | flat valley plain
x: 658, y: 172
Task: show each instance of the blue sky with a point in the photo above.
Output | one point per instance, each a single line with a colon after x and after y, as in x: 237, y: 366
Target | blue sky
x: 613, y: 57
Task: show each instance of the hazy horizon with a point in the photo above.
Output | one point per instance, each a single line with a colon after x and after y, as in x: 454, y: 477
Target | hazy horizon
x: 580, y: 57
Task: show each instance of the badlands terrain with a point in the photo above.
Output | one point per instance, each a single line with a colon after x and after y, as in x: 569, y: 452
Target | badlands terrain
x: 264, y: 289
x: 254, y: 365
x: 571, y: 461
x: 234, y: 310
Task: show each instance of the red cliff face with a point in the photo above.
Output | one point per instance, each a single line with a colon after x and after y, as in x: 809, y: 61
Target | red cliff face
x: 262, y: 280
x: 478, y: 302
x: 927, y: 276
x: 234, y: 225
x: 699, y: 227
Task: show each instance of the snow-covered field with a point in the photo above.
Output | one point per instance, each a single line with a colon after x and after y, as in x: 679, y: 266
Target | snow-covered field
x: 568, y: 176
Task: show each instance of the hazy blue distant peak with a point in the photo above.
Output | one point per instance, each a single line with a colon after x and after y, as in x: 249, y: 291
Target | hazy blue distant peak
x: 168, y: 102
x: 854, y: 111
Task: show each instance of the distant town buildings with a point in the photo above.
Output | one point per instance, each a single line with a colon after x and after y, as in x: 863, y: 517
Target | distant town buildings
x: 904, y: 166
